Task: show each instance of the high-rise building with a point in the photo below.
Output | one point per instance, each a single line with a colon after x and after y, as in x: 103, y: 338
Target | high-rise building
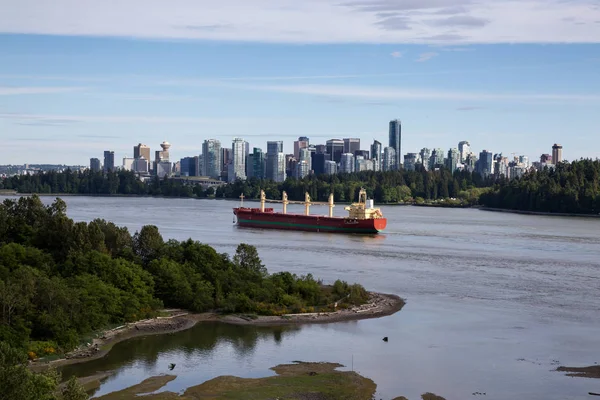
x: 95, y: 165
x: 201, y: 165
x: 376, y: 154
x: 437, y: 158
x: 250, y: 166
x: 485, y: 164
x: 128, y: 163
x: 226, y: 159
x: 305, y: 155
x: 330, y: 167
x: 546, y: 159
x: 410, y: 161
x: 471, y: 162
x: 396, y: 141
x: 389, y: 159
x: 453, y: 159
x: 556, y: 153
x: 258, y: 163
x: 290, y: 165
x: 275, y: 168
x: 335, y: 148
x: 464, y: 148
x: 425, y: 155
x: 321, y: 149
x: 301, y: 143
x: 524, y: 160
x: 212, y: 158
x: 162, y: 156
x: 163, y: 168
x: 351, y: 145
x: 318, y: 162
x: 363, y: 153
x: 347, y: 163
x: 238, y: 161
x: 109, y: 161
x: 141, y: 165
x: 141, y: 150
x: 189, y: 166
x: 500, y: 165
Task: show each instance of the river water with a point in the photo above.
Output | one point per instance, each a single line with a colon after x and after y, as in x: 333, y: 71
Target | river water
x: 495, y: 302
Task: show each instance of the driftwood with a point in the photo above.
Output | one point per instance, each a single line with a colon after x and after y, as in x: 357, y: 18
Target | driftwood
x: 594, y: 394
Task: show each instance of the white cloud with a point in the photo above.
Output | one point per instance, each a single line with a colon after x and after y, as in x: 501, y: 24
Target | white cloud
x: 427, y: 56
x: 396, y: 54
x: 11, y: 91
x: 312, y: 21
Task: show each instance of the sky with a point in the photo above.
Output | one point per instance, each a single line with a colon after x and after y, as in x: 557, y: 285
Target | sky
x: 78, y: 77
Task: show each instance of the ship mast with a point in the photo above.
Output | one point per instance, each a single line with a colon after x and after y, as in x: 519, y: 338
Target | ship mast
x: 306, y: 204
x: 285, y: 202
x: 331, y: 205
x: 242, y: 200
x: 263, y: 198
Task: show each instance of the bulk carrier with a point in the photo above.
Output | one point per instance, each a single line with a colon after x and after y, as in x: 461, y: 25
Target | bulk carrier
x: 362, y: 216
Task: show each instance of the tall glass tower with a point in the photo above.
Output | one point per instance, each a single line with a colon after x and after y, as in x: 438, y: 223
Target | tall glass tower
x: 396, y: 141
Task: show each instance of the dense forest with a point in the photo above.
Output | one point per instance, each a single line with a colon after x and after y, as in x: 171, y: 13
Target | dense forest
x: 568, y: 188
x: 383, y: 187
x: 60, y: 281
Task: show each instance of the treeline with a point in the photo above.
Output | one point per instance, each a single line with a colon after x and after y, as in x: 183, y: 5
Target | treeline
x: 383, y: 187
x: 568, y: 188
x: 61, y: 281
x: 100, y: 183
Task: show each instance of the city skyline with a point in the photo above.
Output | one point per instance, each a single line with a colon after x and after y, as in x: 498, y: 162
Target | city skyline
x: 450, y: 70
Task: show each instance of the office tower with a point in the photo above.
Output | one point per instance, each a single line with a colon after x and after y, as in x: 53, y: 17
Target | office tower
x: 335, y: 148
x: 290, y: 165
x: 305, y: 155
x: 212, y: 156
x: 464, y: 148
x: 389, y: 159
x: 318, y: 163
x: 544, y: 159
x: 200, y: 166
x: 176, y: 168
x: 376, y: 155
x: 471, y: 162
x: 162, y: 164
x: 347, y: 163
x: 500, y: 165
x: 226, y: 159
x: 250, y: 166
x: 258, y: 163
x: 556, y: 153
x: 396, y: 141
x: 163, y: 155
x: 524, y: 160
x: 109, y: 161
x: 321, y: 149
x: 363, y: 153
x: 425, y: 155
x: 410, y: 161
x: 238, y: 161
x: 95, y: 165
x: 330, y: 167
x: 362, y: 164
x: 485, y: 164
x: 141, y: 165
x: 128, y: 163
x: 246, y: 149
x: 453, y: 159
x: 275, y: 169
x: 141, y: 150
x: 189, y: 166
x: 301, y: 143
x: 437, y: 158
x: 351, y: 145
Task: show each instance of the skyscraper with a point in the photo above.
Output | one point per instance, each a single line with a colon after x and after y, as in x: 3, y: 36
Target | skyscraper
x: 211, y: 152
x: 389, y: 159
x: 258, y: 163
x: 410, y: 161
x: 351, y: 145
x: 330, y: 167
x: 437, y: 158
x: 238, y: 161
x: 376, y: 154
x: 301, y: 143
x: 464, y: 148
x: 95, y: 165
x: 485, y: 164
x: 396, y: 141
x: 141, y: 150
x: 425, y: 154
x: 347, y: 163
x: 453, y: 159
x: 335, y: 148
x: 189, y: 166
x: 109, y: 161
x: 556, y: 153
x: 275, y: 169
x: 318, y: 162
x: 128, y: 163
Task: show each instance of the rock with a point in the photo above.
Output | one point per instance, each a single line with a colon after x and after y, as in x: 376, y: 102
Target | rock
x: 385, y: 339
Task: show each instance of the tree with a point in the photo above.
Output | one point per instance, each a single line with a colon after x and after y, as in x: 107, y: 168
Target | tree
x: 147, y: 243
x: 246, y: 257
x: 74, y: 391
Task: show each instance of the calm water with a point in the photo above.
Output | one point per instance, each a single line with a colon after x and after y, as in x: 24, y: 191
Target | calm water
x: 494, y: 301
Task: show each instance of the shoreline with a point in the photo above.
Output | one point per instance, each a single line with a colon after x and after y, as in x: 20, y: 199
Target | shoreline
x: 542, y: 213
x: 379, y: 305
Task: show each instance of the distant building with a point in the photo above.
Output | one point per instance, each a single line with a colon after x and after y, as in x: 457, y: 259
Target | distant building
x: 162, y: 157
x: 275, y: 161
x: 464, y: 148
x: 189, y: 166
x: 389, y: 159
x: 376, y: 154
x: 141, y: 165
x: 258, y: 163
x: 301, y: 143
x: 335, y: 148
x: 347, y: 163
x: 321, y: 149
x: 226, y: 159
x: 546, y: 159
x: 395, y: 136
x: 318, y: 162
x: 212, y: 158
x: 485, y: 163
x: 363, y: 153
x: 330, y: 167
x: 453, y: 159
x: 238, y: 160
x: 425, y: 155
x: 163, y: 168
x: 470, y: 162
x: 437, y: 159
x: 556, y: 153
x: 128, y: 163
x: 141, y: 150
x: 410, y: 161
x: 109, y: 161
x: 351, y: 145
x: 304, y: 163
x: 95, y: 165
x: 500, y: 166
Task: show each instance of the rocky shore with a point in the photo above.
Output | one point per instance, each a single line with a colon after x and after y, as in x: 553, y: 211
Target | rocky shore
x: 379, y: 305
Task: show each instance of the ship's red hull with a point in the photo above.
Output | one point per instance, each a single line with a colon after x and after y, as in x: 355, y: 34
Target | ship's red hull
x: 254, y: 218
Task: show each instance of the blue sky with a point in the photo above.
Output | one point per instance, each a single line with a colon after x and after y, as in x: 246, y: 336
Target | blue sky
x: 80, y: 77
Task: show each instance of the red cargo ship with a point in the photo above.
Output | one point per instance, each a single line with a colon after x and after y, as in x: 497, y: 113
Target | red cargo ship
x: 362, y: 216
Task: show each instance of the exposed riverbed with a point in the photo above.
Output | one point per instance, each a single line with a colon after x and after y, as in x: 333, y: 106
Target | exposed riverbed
x: 495, y: 302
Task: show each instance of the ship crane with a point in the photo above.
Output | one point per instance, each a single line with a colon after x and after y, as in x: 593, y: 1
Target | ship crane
x: 307, y: 203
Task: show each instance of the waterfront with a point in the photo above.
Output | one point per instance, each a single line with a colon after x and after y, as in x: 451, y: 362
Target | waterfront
x: 494, y: 301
